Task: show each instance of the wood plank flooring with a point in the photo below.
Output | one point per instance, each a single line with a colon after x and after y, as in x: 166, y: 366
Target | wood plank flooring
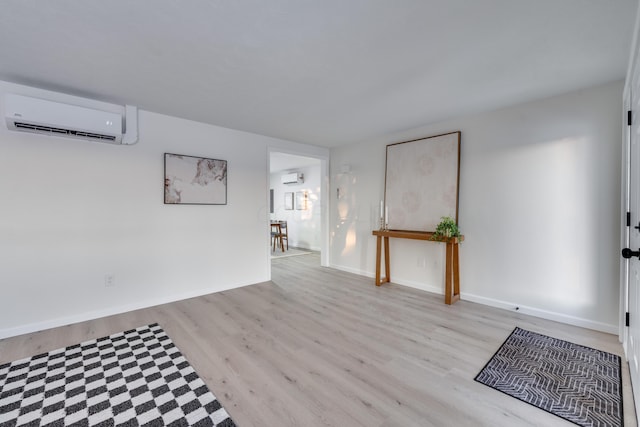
x: 321, y: 347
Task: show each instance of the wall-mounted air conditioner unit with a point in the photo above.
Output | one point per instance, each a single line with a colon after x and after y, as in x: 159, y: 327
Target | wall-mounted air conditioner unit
x: 293, y: 178
x: 34, y: 115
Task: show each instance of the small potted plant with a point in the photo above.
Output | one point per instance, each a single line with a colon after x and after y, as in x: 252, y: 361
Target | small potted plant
x: 445, y: 229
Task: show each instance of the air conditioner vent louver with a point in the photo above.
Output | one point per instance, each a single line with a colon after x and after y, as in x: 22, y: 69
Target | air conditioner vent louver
x: 52, y: 118
x: 68, y: 132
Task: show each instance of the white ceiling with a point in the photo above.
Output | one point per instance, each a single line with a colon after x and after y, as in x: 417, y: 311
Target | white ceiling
x: 279, y: 162
x: 325, y: 72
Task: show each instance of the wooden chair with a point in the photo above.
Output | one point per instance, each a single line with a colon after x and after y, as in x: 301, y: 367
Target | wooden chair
x: 276, y: 235
x: 284, y: 233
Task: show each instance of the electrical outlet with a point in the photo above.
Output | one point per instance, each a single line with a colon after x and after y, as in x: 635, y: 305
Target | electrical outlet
x: 109, y: 280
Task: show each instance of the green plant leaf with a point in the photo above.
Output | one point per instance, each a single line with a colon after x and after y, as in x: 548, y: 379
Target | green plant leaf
x: 447, y: 227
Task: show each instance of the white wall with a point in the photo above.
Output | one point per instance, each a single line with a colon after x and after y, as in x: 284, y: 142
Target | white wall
x: 539, y: 206
x: 73, y: 211
x: 304, y: 225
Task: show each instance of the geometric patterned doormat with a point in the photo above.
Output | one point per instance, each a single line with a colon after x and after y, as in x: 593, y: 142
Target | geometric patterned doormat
x: 133, y: 378
x: 577, y: 383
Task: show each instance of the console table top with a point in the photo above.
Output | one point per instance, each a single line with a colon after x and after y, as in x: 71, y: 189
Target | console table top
x: 416, y: 235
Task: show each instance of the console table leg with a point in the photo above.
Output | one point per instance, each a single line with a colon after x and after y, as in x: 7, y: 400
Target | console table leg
x: 456, y: 274
x: 378, y: 249
x: 379, y: 280
x: 387, y: 255
x: 452, y: 275
x: 448, y: 273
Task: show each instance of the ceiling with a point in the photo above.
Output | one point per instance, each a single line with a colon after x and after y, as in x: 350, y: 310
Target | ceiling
x: 324, y: 72
x: 279, y: 162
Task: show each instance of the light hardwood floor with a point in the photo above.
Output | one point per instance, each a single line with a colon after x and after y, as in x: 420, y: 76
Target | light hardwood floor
x: 321, y: 347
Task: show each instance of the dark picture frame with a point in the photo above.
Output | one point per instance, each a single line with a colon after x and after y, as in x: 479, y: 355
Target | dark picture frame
x: 271, y: 206
x: 191, y: 180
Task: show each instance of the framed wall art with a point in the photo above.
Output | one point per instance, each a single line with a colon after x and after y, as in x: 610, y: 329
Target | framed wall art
x: 190, y: 180
x: 421, y: 182
x: 288, y: 201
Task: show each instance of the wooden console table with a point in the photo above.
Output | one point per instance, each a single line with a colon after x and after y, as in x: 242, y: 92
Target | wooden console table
x: 452, y: 270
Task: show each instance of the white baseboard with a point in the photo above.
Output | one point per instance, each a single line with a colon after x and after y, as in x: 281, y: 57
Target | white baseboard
x: 96, y: 314
x: 409, y: 283
x: 352, y: 270
x: 505, y: 305
x: 543, y: 314
x: 304, y: 246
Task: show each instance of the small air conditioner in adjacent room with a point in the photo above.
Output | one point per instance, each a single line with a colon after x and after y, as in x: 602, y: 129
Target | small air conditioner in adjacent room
x: 34, y: 115
x: 293, y: 178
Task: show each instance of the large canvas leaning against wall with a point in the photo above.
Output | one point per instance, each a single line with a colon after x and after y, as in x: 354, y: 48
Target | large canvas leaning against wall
x: 194, y: 180
x: 421, y: 182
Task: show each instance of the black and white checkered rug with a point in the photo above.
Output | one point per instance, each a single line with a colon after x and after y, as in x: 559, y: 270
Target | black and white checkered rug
x: 579, y: 384
x: 133, y: 378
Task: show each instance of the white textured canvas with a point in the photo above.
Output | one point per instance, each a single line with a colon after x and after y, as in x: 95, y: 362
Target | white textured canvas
x: 421, y: 183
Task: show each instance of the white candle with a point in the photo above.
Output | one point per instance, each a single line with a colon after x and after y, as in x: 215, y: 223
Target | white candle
x: 381, y: 208
x: 386, y: 215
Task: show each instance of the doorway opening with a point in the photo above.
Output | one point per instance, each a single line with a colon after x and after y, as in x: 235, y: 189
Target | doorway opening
x: 296, y: 205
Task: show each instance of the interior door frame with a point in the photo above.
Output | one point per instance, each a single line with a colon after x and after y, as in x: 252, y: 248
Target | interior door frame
x: 625, y: 209
x: 324, y: 196
x: 626, y: 182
